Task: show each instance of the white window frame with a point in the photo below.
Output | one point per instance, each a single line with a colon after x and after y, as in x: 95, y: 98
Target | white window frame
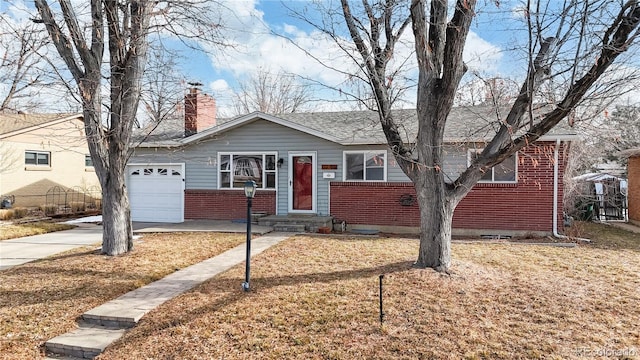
x: 470, y: 152
x: 88, y: 157
x: 36, y: 152
x: 246, y: 153
x: 364, y: 154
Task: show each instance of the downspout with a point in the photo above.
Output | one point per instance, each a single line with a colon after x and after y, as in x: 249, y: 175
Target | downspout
x: 556, y: 166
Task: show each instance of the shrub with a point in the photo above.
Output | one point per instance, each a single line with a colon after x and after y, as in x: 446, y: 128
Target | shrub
x: 20, y: 212
x: 49, y: 209
x: 77, y: 206
x: 6, y: 214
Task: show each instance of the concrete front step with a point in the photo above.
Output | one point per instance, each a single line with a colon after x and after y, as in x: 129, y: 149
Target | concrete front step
x: 311, y: 223
x: 289, y: 227
x: 86, y: 342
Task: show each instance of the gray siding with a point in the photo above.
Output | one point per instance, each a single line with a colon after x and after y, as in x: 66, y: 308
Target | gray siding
x: 201, y: 158
x: 455, y: 161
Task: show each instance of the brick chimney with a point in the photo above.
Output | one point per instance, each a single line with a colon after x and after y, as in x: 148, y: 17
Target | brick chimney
x: 199, y: 111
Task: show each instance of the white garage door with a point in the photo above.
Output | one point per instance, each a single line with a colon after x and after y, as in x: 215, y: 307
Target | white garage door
x: 156, y: 192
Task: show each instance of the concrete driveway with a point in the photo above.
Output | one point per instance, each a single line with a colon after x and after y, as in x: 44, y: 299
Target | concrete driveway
x: 19, y: 251
x: 22, y: 250
x: 199, y: 225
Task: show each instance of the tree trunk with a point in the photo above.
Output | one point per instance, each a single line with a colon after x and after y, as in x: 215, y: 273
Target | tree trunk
x: 117, y: 234
x: 436, y: 215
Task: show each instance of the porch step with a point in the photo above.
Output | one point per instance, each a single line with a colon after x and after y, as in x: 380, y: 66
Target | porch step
x: 86, y: 342
x: 309, y: 223
x: 288, y: 227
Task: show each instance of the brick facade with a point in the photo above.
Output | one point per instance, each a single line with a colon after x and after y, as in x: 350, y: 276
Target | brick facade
x: 524, y: 206
x: 225, y: 204
x: 634, y: 188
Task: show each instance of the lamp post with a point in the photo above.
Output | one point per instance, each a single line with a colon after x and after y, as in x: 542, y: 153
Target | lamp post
x: 249, y: 192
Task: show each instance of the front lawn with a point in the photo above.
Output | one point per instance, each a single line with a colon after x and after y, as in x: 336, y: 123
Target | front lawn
x: 42, y: 299
x: 317, y: 298
x: 12, y: 231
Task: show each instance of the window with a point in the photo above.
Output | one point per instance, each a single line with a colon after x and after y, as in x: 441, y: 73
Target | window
x: 506, y: 171
x: 42, y: 158
x: 365, y: 165
x: 88, y: 162
x: 236, y: 169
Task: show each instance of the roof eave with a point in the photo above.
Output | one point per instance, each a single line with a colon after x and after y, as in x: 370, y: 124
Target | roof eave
x: 39, y: 126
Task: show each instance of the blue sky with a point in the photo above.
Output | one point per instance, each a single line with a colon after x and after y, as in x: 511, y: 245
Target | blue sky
x: 250, y: 29
x: 249, y: 25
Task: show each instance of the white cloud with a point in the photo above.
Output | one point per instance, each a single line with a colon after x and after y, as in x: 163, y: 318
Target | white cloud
x: 481, y: 55
x: 256, y: 47
x: 219, y: 85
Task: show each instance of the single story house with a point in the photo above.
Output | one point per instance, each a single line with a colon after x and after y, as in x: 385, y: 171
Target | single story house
x: 338, y: 164
x: 41, y: 151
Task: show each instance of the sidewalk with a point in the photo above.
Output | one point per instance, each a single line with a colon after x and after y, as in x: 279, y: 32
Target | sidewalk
x: 106, y: 323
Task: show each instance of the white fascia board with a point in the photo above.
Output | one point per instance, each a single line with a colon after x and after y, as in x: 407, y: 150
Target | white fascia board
x: 158, y: 144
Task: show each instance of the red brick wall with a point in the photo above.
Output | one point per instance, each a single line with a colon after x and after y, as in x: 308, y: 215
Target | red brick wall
x: 225, y: 204
x: 525, y: 206
x: 634, y: 188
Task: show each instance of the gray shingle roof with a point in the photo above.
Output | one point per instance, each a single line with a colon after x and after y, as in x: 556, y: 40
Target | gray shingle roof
x: 465, y: 124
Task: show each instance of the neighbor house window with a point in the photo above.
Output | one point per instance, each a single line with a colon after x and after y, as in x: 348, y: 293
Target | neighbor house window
x: 88, y: 162
x: 365, y: 165
x: 506, y: 171
x: 42, y: 158
x: 236, y: 169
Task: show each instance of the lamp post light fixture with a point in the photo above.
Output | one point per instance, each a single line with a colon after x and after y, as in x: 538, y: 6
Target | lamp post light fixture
x: 249, y: 192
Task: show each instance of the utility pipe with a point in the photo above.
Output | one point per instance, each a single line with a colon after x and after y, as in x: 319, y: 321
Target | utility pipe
x: 556, y: 167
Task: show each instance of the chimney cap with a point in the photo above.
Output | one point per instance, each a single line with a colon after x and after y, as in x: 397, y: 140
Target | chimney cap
x: 195, y: 83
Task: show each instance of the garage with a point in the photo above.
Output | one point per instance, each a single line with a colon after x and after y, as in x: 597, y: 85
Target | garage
x: 156, y: 192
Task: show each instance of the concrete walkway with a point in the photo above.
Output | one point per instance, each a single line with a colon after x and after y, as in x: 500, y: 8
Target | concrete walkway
x: 200, y: 225
x: 106, y: 323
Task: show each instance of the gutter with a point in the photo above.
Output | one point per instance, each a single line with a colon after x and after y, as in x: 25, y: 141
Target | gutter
x: 556, y: 166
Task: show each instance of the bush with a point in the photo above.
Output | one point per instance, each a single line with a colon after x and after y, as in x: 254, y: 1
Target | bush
x: 20, y: 212
x: 6, y: 214
x: 49, y: 209
x: 77, y: 206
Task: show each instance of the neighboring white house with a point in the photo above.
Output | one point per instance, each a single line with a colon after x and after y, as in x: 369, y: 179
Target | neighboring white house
x: 41, y: 151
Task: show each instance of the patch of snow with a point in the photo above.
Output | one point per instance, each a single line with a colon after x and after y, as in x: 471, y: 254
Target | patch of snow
x: 86, y: 219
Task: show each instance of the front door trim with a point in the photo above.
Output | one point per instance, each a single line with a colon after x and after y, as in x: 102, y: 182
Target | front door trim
x: 314, y: 197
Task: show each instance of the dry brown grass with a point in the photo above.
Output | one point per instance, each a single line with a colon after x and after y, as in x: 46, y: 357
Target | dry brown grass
x: 608, y: 236
x: 317, y: 298
x: 13, y: 231
x: 42, y: 299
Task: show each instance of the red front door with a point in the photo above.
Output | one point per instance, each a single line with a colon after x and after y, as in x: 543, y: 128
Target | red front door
x: 302, y: 182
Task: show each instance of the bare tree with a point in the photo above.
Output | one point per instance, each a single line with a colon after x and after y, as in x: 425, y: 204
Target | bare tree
x: 83, y: 35
x: 20, y: 73
x: 271, y: 93
x: 163, y: 87
x: 571, y: 43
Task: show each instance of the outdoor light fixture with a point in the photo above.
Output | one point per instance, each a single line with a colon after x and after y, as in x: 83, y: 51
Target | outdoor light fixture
x: 280, y: 162
x: 249, y: 192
